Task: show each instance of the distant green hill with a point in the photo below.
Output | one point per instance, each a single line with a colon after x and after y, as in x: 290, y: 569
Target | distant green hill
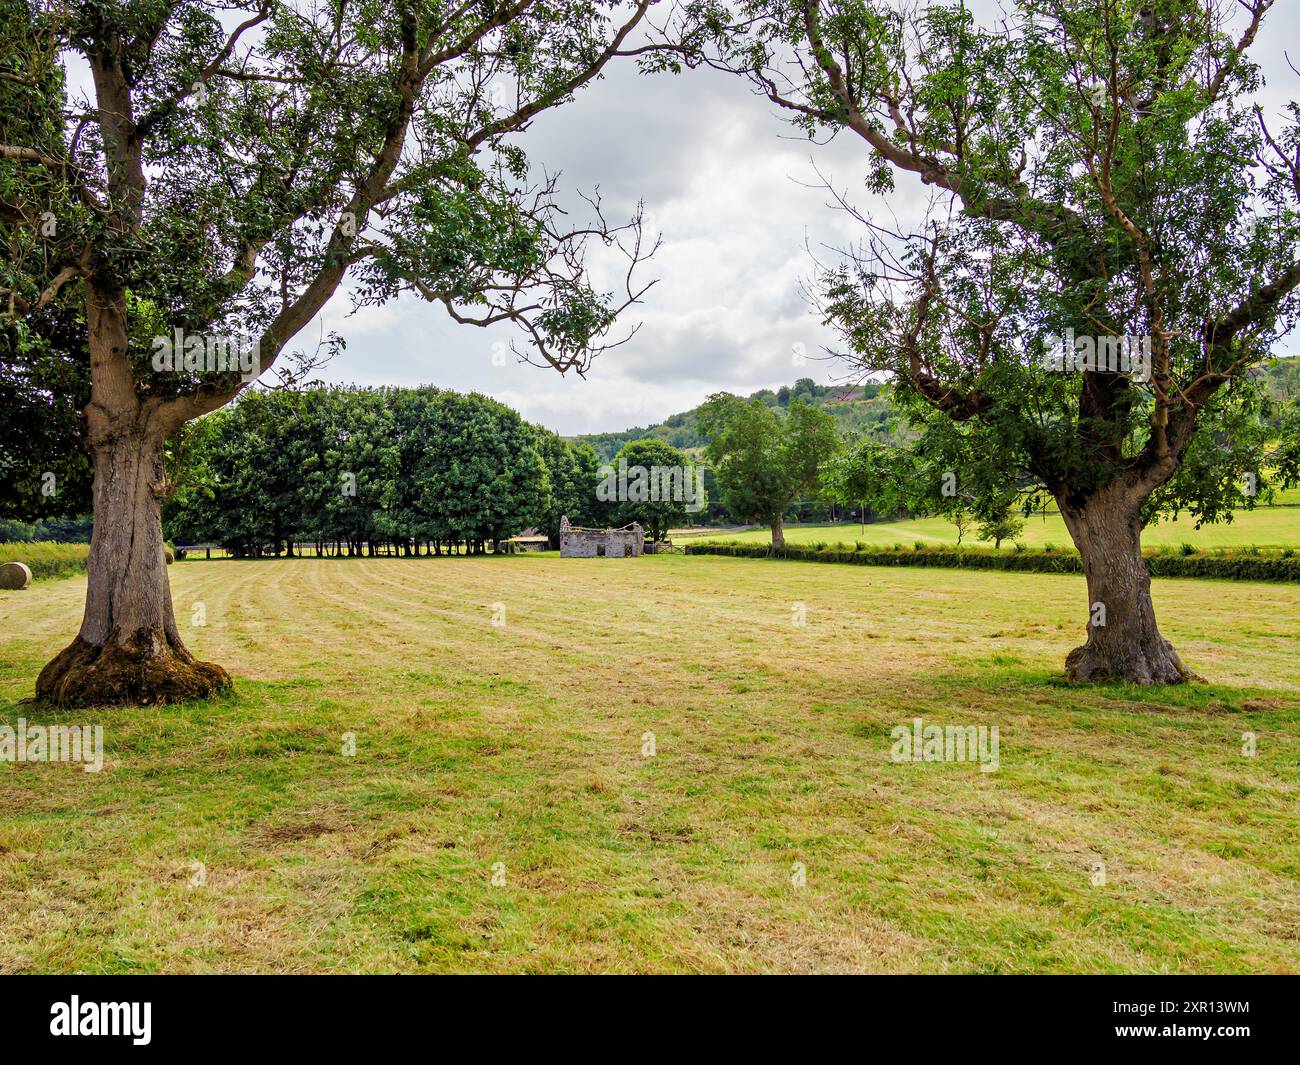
x: 857, y: 408
x: 864, y: 409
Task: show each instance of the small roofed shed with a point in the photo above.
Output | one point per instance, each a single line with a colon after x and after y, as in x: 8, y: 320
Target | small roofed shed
x: 576, y: 542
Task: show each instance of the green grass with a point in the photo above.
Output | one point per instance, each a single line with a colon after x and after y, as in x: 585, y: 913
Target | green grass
x: 1290, y: 496
x: 1265, y: 527
x: 522, y: 745
x: 46, y: 559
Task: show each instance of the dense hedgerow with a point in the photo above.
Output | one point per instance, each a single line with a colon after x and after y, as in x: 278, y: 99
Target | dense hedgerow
x: 47, y: 560
x: 1238, y: 566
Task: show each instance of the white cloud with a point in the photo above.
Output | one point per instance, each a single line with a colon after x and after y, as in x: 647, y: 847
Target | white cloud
x: 726, y: 181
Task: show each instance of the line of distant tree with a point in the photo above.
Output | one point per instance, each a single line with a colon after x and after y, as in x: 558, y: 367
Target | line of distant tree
x: 411, y: 471
x: 864, y: 411
x: 60, y: 530
x: 354, y: 470
x: 400, y: 471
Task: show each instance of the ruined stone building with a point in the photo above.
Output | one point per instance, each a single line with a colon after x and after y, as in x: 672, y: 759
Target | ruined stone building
x: 576, y: 542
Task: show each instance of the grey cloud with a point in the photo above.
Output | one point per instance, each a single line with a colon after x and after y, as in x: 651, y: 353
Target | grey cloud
x: 726, y: 182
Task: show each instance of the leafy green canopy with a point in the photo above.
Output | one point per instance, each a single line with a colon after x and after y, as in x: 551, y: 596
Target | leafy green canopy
x: 358, y: 466
x: 661, y: 496
x: 765, y: 462
x: 1096, y: 166
x: 44, y: 377
x: 572, y: 468
x: 239, y: 159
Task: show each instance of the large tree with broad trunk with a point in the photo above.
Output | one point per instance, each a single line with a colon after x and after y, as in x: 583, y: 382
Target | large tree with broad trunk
x: 1096, y: 169
x: 765, y: 461
x: 229, y: 167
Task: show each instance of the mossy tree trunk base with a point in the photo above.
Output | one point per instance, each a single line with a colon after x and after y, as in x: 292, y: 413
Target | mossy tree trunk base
x: 1156, y: 663
x: 140, y: 669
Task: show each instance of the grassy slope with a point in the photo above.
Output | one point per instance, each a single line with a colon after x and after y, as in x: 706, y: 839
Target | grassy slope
x: 522, y: 745
x: 1265, y: 527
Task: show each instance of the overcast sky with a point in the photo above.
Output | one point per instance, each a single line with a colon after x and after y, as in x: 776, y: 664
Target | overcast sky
x: 725, y: 182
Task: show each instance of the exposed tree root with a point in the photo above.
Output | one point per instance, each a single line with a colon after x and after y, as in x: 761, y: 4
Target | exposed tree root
x: 1151, y: 661
x: 142, y: 669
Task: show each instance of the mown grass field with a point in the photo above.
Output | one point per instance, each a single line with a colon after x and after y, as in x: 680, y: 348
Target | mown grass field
x: 523, y: 745
x: 1263, y: 527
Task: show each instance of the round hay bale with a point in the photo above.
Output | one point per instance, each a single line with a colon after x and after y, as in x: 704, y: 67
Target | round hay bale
x: 15, y: 576
x: 169, y: 554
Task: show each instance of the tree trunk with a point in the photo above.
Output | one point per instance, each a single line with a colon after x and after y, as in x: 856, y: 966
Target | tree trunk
x: 1123, y: 642
x: 128, y: 649
x: 778, y: 533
